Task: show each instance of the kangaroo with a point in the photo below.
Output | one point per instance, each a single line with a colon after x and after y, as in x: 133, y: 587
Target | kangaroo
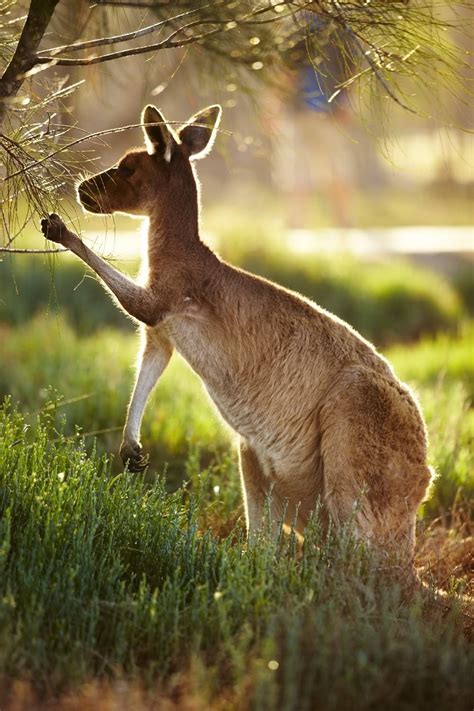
x: 321, y: 416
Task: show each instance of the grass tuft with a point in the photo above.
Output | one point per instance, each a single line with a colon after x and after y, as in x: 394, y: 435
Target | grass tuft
x: 107, y: 577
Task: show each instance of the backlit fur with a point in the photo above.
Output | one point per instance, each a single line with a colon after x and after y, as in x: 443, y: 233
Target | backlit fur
x: 319, y: 413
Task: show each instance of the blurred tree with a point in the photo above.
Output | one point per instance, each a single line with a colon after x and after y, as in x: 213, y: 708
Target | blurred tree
x: 397, y: 49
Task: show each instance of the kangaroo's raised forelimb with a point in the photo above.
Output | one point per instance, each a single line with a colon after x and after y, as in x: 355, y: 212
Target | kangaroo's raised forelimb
x: 153, y: 361
x: 136, y: 300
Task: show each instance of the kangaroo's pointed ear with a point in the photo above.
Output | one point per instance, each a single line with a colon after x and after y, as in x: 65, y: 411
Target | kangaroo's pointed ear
x: 158, y: 137
x: 199, y: 133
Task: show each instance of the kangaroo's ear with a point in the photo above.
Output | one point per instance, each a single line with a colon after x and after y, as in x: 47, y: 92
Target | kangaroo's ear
x: 199, y: 133
x: 158, y: 137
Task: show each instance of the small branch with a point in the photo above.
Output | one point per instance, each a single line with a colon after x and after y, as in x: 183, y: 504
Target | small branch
x: 97, y: 134
x: 88, y: 61
x: 116, y: 39
x: 12, y: 250
x: 168, y: 43
x: 372, y: 64
x: 129, y: 3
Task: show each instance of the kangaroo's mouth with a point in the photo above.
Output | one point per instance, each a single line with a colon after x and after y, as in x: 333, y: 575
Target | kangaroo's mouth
x: 89, y: 202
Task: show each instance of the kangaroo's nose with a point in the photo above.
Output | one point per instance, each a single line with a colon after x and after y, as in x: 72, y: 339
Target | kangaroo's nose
x: 87, y: 198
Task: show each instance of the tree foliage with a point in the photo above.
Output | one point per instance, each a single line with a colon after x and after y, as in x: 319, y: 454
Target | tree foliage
x: 399, y: 50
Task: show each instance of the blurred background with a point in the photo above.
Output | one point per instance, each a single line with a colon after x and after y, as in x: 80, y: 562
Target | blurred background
x: 330, y: 186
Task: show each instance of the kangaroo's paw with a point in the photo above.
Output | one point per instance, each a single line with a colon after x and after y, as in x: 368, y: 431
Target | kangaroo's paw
x: 55, y: 230
x: 133, y: 457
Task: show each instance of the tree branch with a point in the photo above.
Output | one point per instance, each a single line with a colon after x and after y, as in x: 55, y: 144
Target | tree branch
x: 12, y: 250
x: 115, y: 39
x: 24, y: 57
x: 77, y: 141
x: 372, y: 64
x: 168, y: 43
x: 131, y: 3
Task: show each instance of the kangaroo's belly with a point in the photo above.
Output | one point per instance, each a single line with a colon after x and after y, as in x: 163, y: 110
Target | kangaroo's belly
x: 270, y: 399
x: 282, y: 430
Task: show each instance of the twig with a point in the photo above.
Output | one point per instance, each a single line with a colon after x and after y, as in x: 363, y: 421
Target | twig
x: 115, y: 39
x: 375, y: 69
x: 11, y: 250
x: 97, y: 134
x: 168, y: 43
x: 89, y: 61
x: 129, y: 3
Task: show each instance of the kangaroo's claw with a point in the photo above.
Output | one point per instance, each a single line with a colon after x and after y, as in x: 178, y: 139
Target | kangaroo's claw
x: 133, y: 458
x: 54, y: 229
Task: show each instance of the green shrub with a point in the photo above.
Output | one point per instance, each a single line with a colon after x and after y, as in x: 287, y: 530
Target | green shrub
x: 463, y: 282
x: 103, y: 576
x: 60, y: 285
x: 441, y: 362
x: 386, y: 302
x: 441, y: 371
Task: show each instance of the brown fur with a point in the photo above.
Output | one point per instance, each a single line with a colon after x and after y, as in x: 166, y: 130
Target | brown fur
x: 319, y: 412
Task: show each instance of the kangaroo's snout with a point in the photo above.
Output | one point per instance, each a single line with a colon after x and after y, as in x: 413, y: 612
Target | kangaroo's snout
x: 94, y: 193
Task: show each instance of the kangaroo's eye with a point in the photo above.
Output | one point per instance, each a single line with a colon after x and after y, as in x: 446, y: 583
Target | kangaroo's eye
x: 126, y: 171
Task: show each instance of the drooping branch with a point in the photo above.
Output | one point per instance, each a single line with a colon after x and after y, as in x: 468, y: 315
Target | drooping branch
x: 87, y: 137
x: 167, y: 43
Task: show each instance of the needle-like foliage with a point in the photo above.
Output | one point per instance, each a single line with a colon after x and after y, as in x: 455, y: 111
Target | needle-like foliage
x: 402, y: 52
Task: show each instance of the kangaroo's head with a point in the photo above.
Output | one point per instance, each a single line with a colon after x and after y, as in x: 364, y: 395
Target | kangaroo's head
x: 146, y: 180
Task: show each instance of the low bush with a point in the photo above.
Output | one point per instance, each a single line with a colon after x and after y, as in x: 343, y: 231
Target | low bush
x: 463, y: 282
x: 105, y: 577
x: 386, y: 302
x: 60, y: 286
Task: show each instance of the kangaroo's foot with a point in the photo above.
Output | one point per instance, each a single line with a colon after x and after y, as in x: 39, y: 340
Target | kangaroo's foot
x: 55, y: 230
x: 133, y: 457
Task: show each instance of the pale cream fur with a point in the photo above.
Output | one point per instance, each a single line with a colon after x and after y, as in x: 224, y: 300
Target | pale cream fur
x: 320, y: 414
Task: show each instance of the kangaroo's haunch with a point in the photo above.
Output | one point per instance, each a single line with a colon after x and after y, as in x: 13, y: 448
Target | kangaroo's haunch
x: 320, y: 414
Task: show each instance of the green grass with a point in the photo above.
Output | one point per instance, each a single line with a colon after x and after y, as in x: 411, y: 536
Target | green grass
x: 441, y: 361
x: 441, y: 371
x: 103, y: 576
x: 108, y: 576
x: 94, y: 377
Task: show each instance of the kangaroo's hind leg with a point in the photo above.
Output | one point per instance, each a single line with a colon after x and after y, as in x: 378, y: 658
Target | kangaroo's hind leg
x: 375, y: 471
x: 261, y: 498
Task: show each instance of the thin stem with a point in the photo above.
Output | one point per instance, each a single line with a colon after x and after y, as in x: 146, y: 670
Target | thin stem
x: 12, y: 250
x: 97, y: 134
x: 168, y: 43
x: 116, y: 39
x: 88, y: 61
